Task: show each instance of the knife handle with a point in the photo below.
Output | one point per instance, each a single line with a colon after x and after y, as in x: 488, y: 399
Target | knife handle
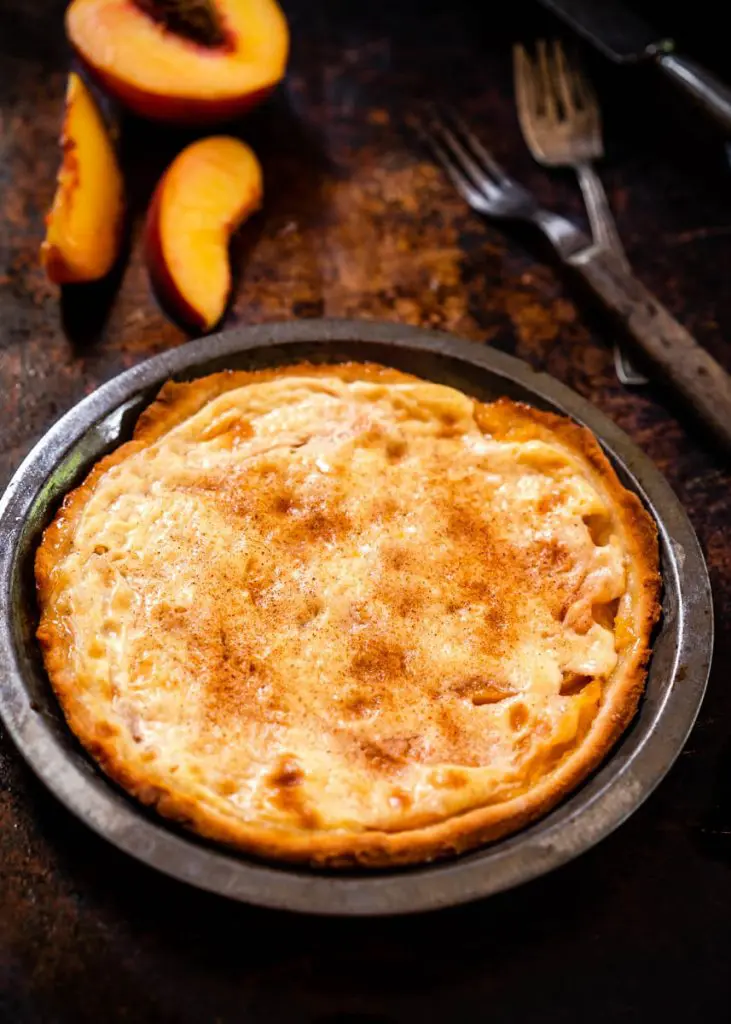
x: 711, y: 93
x: 668, y: 345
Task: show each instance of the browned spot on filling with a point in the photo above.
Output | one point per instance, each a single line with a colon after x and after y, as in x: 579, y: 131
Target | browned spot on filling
x: 386, y: 508
x: 359, y: 707
x: 239, y: 431
x: 389, y: 755
x: 169, y: 617
x: 579, y: 618
x: 326, y: 523
x: 455, y: 745
x: 287, y: 772
x: 400, y: 799
x: 465, y: 526
x: 549, y: 501
x: 449, y: 778
x: 410, y: 600
x: 380, y: 759
x: 361, y: 704
x: 105, y: 730
x: 283, y: 502
x: 377, y: 659
x: 286, y: 780
x: 519, y: 717
x: 135, y: 727
x: 482, y: 691
x: 396, y: 449
x: 395, y: 557
x: 553, y: 556
x: 371, y: 434
x: 449, y: 425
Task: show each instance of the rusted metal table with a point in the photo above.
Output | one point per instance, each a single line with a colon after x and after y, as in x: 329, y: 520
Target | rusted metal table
x: 358, y: 222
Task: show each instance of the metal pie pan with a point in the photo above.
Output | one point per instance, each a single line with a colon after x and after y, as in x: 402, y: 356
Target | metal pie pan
x: 676, y: 681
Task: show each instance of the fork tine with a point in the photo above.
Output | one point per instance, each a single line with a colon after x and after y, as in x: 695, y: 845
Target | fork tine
x: 491, y: 167
x: 525, y: 86
x: 568, y: 79
x: 587, y: 97
x: 582, y: 88
x: 523, y: 81
x: 464, y: 159
x: 545, y: 81
x: 461, y: 182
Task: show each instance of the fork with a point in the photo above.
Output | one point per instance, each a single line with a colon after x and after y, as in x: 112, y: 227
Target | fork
x: 670, y: 348
x: 561, y: 124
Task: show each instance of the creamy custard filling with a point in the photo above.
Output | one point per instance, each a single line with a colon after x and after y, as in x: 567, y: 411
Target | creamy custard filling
x: 322, y: 604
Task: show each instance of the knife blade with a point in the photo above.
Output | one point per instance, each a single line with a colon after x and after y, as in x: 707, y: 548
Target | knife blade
x: 624, y: 37
x: 618, y: 32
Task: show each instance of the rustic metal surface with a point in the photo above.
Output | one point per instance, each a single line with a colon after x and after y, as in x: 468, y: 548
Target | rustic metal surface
x: 358, y: 222
x: 675, y: 684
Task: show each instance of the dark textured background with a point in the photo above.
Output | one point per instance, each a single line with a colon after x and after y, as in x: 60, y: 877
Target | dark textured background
x: 358, y: 222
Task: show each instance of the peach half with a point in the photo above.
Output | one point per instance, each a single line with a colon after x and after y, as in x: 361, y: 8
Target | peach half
x: 84, y: 225
x: 210, y: 188
x: 166, y: 76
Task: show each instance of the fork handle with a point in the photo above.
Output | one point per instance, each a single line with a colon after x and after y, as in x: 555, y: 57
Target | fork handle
x: 668, y: 345
x: 605, y: 234
x: 603, y: 226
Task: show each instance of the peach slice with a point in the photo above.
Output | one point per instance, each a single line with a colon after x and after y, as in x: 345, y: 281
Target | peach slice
x: 84, y: 225
x: 203, y: 197
x: 166, y: 76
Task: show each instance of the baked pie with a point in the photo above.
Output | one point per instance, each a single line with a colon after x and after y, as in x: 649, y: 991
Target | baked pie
x: 344, y: 616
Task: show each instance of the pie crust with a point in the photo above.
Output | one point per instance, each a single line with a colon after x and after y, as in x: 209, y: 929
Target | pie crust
x: 340, y: 615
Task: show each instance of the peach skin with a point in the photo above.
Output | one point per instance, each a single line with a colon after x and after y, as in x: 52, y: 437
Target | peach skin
x: 84, y: 225
x: 167, y: 76
x: 203, y: 197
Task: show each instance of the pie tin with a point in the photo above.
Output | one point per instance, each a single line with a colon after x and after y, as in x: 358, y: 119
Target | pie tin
x: 676, y: 682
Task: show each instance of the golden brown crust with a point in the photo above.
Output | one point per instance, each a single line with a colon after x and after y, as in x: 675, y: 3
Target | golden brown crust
x: 503, y: 420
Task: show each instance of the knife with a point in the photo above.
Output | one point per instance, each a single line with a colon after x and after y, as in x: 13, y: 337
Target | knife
x: 624, y: 37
